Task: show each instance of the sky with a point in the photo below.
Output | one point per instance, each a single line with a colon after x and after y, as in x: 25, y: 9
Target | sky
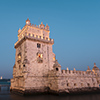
x: 74, y: 26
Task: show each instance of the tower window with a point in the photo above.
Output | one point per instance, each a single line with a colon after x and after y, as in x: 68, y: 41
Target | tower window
x: 23, y: 65
x: 74, y: 84
x: 88, y: 84
x: 19, y: 57
x: 40, y: 55
x: 38, y: 45
x: 56, y: 69
x: 68, y: 84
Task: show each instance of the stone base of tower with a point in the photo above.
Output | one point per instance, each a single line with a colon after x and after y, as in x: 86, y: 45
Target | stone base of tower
x: 47, y: 90
x: 85, y: 90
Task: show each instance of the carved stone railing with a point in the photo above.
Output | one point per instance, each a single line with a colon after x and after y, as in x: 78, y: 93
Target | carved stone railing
x: 36, y: 38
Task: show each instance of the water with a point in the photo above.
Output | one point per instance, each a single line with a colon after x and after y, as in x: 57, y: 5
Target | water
x: 6, y: 95
x: 5, y: 83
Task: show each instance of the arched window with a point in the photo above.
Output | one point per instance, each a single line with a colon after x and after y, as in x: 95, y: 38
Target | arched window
x: 57, y: 69
x: 39, y: 57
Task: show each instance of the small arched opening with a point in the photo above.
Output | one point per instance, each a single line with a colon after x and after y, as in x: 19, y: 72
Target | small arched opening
x: 57, y: 69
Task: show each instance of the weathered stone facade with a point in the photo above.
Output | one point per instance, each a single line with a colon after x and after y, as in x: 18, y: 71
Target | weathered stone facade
x: 37, y: 70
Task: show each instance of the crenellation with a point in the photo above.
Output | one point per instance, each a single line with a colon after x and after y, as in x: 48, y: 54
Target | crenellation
x: 36, y: 37
x: 77, y: 73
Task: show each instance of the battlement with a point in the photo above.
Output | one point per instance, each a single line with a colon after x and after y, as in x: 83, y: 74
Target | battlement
x: 34, y: 28
x: 35, y: 38
x: 41, y: 26
x: 33, y: 32
x: 79, y: 73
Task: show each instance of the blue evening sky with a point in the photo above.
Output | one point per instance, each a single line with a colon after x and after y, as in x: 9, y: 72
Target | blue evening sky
x: 74, y: 26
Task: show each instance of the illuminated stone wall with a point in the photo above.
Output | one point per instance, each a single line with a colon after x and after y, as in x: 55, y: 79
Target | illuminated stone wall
x: 36, y: 67
x: 34, y: 57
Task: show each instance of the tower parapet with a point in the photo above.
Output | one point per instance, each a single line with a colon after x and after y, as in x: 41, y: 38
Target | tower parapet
x: 34, y: 32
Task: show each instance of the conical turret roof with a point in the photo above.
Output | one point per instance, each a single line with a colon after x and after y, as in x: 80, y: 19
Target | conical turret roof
x: 56, y: 64
x: 95, y: 67
x: 27, y: 20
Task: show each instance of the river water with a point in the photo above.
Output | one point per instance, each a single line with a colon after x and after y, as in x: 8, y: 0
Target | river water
x: 6, y: 95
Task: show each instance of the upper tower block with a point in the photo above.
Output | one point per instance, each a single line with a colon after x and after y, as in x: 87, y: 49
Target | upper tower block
x: 38, y: 33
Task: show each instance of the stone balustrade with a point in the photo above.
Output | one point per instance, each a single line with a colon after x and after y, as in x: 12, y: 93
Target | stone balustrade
x: 36, y: 38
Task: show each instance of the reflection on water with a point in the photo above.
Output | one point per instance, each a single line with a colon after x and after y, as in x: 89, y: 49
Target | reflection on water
x: 6, y: 95
x: 52, y: 97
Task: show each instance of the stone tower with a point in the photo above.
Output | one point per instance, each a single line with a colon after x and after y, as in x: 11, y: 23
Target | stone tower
x: 36, y: 70
x: 34, y: 58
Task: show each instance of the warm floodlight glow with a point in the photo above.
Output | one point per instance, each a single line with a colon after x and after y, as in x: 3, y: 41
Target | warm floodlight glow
x: 31, y: 35
x: 67, y: 68
x: 19, y: 57
x: 27, y: 22
x: 53, y: 58
x: 1, y: 77
x: 22, y: 35
x: 40, y: 55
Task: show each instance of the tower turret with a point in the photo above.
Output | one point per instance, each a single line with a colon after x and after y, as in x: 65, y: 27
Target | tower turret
x: 47, y: 27
x: 27, y: 21
x: 57, y: 66
x: 95, y: 69
x: 19, y: 30
x: 34, y: 58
